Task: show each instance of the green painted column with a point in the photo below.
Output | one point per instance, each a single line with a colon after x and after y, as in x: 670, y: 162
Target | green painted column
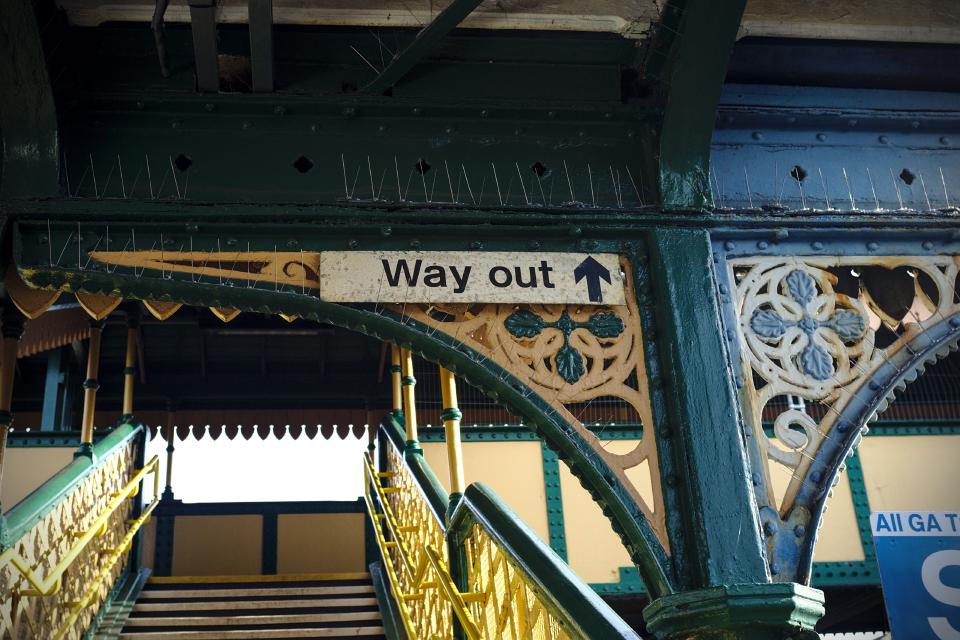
x: 724, y: 586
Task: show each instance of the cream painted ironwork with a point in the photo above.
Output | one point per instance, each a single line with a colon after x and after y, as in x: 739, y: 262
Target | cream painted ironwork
x: 575, y: 358
x: 811, y: 328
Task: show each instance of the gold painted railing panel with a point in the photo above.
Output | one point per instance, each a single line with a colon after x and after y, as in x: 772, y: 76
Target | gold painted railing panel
x: 500, y: 600
x: 30, y: 617
x: 509, y: 608
x: 419, y: 528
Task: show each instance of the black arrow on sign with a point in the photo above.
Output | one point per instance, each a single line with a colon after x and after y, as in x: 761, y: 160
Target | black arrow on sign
x: 593, y: 271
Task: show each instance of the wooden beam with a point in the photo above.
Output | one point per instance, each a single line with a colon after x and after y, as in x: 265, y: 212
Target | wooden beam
x: 260, y: 18
x: 203, y: 20
x: 423, y: 45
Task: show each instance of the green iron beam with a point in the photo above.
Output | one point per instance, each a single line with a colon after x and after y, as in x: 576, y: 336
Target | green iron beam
x: 28, y: 120
x: 426, y: 41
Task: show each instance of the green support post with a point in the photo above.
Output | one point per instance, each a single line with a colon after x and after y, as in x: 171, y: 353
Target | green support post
x: 724, y: 584
x: 688, y: 60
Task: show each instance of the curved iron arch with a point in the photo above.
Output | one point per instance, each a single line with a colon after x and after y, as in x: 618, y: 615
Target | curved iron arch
x: 903, y: 367
x: 625, y: 517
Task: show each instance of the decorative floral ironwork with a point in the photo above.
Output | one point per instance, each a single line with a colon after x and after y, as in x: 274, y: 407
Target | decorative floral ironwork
x: 814, y: 359
x: 603, y: 324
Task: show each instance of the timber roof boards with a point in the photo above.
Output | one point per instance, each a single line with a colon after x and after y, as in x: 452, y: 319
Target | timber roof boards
x: 926, y: 21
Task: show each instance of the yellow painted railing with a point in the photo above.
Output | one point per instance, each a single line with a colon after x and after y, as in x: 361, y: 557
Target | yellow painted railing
x: 55, y: 576
x: 413, y: 545
x: 479, y: 566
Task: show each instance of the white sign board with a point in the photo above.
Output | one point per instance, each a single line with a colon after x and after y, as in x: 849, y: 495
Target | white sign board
x: 451, y: 276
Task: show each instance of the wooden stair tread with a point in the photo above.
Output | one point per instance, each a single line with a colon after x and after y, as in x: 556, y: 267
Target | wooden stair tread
x: 237, y: 621
x: 243, y: 634
x: 256, y: 591
x: 324, y: 603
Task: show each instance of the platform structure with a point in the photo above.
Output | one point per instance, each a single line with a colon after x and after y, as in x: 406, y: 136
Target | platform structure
x: 613, y: 291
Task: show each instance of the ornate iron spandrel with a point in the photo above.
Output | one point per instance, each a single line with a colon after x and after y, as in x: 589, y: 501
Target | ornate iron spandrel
x: 570, y: 356
x: 822, y: 344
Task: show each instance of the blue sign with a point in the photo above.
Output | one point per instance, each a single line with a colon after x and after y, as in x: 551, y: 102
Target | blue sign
x: 919, y: 557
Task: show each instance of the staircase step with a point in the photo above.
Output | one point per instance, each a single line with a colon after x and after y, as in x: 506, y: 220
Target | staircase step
x: 244, y: 634
x: 226, y: 607
x: 232, y: 605
x: 211, y: 593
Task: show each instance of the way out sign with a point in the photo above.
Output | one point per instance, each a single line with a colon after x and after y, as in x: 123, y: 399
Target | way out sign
x: 448, y: 276
x: 919, y: 557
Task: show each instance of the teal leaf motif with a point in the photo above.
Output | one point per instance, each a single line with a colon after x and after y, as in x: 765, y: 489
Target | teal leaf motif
x: 801, y: 286
x: 768, y: 324
x: 569, y: 363
x: 524, y: 324
x: 849, y: 325
x: 605, y: 325
x: 816, y: 362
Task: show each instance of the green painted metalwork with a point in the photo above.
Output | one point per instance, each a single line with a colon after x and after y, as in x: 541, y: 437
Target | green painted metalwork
x: 519, y: 432
x: 526, y: 324
x: 28, y: 119
x: 425, y: 42
x: 582, y: 611
x: 713, y: 530
x: 756, y: 611
x: 19, y: 520
x: 688, y: 60
x: 556, y: 529
x: 629, y: 584
x: 628, y: 521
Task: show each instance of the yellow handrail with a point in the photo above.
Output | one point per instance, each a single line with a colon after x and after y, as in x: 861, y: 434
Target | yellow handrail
x: 115, y: 556
x: 52, y: 583
x: 431, y: 559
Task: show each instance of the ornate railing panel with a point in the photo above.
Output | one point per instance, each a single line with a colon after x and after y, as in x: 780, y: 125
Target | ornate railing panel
x: 418, y: 527
x: 65, y: 545
x: 511, y: 585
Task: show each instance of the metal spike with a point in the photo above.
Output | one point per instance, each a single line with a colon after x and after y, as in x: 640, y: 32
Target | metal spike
x: 49, y: 243
x: 522, y: 185
x: 943, y: 181
x: 346, y: 189
x: 423, y: 179
x: 373, y: 193
x: 123, y: 188
x: 746, y: 181
x: 615, y: 193
x: 149, y: 176
x: 446, y: 168
x: 593, y: 196
x: 896, y: 187
x: 873, y: 188
x: 396, y: 168
x: 633, y: 182
x: 853, y: 203
x: 573, y: 198
x: 823, y: 183
x: 66, y: 172
x: 173, y: 173
x: 540, y: 184
x: 106, y: 185
x: 93, y: 172
x: 497, y: 181
x: 353, y: 187
x: 466, y: 178
x: 925, y: 196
